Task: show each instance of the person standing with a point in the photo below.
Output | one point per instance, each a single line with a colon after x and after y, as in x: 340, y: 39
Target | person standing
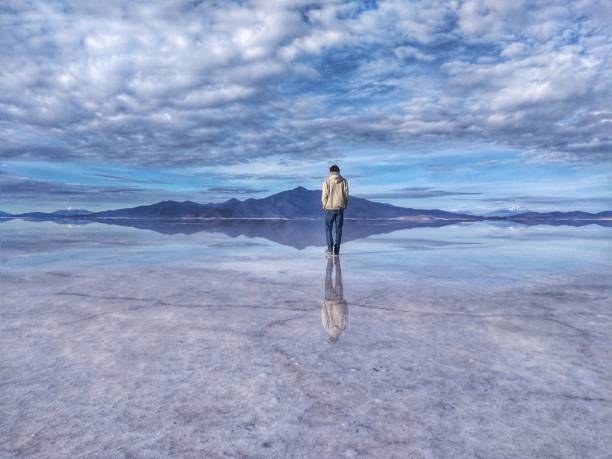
x: 335, y: 197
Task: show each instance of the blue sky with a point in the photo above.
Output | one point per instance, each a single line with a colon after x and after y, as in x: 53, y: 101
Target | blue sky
x: 472, y: 105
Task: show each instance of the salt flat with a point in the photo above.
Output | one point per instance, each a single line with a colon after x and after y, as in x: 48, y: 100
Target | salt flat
x: 470, y: 340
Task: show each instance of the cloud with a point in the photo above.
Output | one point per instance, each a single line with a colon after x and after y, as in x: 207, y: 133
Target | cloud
x: 203, y: 83
x: 13, y: 187
x: 410, y: 52
x: 23, y: 194
x: 233, y: 190
x: 20, y: 194
x: 118, y: 178
x: 605, y: 201
x: 416, y: 193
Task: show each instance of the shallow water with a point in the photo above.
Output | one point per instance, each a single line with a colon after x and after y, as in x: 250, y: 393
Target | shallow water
x: 213, y: 339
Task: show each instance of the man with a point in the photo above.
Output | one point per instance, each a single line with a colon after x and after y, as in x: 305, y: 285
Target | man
x: 335, y: 195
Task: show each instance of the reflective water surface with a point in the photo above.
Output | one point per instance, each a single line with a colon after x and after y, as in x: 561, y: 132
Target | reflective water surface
x: 225, y: 339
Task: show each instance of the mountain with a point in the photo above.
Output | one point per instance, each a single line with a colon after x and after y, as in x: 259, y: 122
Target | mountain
x: 165, y: 209
x: 71, y: 212
x: 37, y: 215
x: 291, y: 204
x: 507, y: 212
x: 5, y: 214
x: 301, y: 203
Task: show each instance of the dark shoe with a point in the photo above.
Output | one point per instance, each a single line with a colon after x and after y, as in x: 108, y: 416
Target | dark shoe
x: 336, y: 250
x: 328, y: 253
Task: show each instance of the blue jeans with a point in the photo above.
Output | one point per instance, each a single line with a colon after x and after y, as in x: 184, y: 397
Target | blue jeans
x: 332, y: 216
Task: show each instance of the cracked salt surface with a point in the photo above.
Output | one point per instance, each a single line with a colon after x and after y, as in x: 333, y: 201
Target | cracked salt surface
x: 460, y: 341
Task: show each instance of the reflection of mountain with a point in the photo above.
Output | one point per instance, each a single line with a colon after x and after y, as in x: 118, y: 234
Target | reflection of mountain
x: 295, y: 233
x: 58, y: 214
x: 40, y: 217
x: 575, y: 215
x: 559, y: 222
x: 575, y: 218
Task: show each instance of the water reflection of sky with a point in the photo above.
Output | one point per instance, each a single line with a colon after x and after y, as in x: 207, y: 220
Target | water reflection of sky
x: 460, y: 251
x: 475, y: 324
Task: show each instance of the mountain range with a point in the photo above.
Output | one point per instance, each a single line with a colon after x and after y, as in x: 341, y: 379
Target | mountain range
x: 297, y: 203
x: 515, y: 210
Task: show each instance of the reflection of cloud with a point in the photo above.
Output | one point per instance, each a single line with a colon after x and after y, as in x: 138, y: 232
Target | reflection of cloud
x: 423, y: 244
x: 415, y: 192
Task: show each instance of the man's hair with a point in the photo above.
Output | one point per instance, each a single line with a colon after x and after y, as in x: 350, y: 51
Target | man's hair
x: 334, y: 168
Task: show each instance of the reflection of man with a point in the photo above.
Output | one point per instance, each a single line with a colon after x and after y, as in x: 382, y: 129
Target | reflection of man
x: 335, y: 310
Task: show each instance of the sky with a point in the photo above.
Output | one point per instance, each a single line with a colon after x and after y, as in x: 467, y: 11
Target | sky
x: 472, y: 105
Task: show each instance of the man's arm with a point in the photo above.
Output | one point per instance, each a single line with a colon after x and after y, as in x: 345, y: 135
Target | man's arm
x: 346, y: 191
x: 324, y: 193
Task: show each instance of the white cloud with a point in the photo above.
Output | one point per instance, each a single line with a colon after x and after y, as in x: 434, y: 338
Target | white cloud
x: 410, y: 52
x: 184, y: 83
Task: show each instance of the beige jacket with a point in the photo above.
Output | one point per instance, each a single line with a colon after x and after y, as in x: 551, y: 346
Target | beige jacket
x: 335, y: 192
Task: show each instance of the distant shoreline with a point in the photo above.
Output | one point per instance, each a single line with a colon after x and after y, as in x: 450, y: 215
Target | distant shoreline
x: 404, y: 219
